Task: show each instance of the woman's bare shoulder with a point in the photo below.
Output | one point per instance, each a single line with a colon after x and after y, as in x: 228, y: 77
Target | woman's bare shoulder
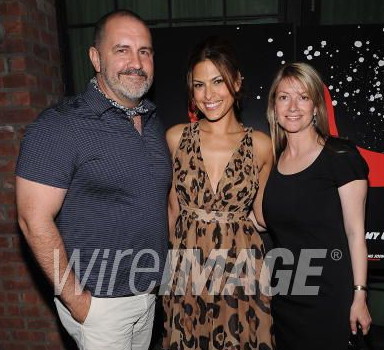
x: 173, y: 136
x: 262, y: 146
x: 261, y: 140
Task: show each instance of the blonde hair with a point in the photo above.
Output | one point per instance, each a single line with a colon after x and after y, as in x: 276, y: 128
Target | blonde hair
x: 313, y: 84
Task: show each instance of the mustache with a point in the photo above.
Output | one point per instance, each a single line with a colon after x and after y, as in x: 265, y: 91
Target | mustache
x: 134, y: 71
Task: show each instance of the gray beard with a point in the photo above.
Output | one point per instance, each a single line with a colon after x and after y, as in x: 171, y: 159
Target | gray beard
x: 128, y: 91
x: 134, y: 94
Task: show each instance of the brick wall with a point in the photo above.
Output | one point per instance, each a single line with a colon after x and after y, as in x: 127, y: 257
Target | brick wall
x: 30, y: 80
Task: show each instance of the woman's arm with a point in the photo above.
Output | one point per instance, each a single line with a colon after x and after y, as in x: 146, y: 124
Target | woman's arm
x: 353, y: 197
x: 262, y: 150
x: 173, y: 136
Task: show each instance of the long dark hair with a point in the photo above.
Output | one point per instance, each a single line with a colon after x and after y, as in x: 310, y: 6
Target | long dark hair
x: 222, y: 54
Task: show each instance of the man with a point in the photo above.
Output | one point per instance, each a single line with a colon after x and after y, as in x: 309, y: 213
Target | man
x: 92, y: 180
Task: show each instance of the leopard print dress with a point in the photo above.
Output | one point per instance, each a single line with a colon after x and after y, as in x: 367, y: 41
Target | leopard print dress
x: 214, y: 300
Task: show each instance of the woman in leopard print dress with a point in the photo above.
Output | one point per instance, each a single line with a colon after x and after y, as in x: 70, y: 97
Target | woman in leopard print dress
x: 215, y: 298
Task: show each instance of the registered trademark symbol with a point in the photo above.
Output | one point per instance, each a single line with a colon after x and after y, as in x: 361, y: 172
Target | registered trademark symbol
x: 336, y: 254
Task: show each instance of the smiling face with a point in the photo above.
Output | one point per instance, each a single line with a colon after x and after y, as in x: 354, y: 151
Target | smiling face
x: 294, y: 109
x: 210, y: 93
x: 123, y: 60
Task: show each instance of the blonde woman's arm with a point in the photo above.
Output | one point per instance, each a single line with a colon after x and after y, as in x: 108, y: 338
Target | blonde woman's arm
x: 353, y: 197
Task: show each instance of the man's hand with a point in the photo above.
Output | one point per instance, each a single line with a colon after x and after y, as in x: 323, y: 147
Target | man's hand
x: 79, y: 306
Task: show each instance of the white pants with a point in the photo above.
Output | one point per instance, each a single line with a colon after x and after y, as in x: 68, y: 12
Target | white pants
x: 112, y: 323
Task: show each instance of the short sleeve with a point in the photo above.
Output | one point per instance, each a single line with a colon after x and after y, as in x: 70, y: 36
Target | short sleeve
x: 347, y: 163
x: 47, y: 153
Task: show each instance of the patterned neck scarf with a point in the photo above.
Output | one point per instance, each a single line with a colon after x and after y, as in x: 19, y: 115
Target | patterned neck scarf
x: 129, y: 112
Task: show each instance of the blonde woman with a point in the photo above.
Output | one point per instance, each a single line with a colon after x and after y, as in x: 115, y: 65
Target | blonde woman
x: 314, y: 205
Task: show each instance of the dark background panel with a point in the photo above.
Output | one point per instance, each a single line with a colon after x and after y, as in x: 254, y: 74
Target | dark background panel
x: 261, y: 49
x: 351, y: 61
x: 375, y: 228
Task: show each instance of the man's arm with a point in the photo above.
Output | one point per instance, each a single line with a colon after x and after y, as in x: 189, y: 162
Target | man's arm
x: 38, y: 206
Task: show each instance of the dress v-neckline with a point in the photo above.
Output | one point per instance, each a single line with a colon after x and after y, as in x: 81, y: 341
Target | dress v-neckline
x: 235, y: 150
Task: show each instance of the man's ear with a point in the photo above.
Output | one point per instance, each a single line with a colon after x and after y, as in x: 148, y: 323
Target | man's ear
x: 238, y: 82
x: 94, y: 56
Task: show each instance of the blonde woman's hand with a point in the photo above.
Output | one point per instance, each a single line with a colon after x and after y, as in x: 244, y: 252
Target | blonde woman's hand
x: 359, y: 314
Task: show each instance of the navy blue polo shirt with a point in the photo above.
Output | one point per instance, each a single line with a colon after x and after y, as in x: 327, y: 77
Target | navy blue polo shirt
x: 113, y: 220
